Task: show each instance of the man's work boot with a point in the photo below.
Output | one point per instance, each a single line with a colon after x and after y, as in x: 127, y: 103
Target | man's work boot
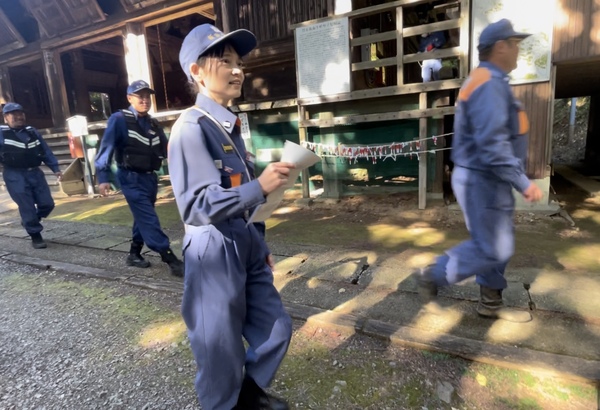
x: 491, y: 306
x: 135, y: 256
x: 37, y: 241
x: 175, y: 265
x: 252, y: 397
x: 426, y: 286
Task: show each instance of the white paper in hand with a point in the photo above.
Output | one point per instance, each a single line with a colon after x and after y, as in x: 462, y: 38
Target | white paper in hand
x: 297, y: 155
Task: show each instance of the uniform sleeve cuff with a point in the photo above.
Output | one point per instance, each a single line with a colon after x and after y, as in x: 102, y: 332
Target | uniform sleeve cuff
x: 103, y: 177
x: 251, y: 194
x: 522, y: 183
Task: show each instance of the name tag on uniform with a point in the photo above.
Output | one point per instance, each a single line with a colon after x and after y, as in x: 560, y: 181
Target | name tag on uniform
x: 227, y: 148
x: 218, y: 163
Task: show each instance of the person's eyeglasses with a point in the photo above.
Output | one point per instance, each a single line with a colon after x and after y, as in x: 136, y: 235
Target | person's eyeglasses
x: 142, y: 97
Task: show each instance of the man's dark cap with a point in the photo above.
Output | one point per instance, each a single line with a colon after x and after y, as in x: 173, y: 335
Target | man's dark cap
x: 500, y: 30
x: 12, y: 106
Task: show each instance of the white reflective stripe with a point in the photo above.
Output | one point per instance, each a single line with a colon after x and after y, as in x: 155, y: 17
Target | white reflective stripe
x: 140, y: 138
x: 34, y: 144
x: 15, y: 143
x: 155, y: 141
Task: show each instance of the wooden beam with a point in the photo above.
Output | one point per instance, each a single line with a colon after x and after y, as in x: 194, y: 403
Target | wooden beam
x: 385, y: 116
x: 423, y: 155
x: 433, y: 27
x: 375, y: 63
x: 205, y: 10
x: 117, y: 21
x: 363, y: 12
x: 384, y: 92
x: 373, y: 38
x: 442, y: 53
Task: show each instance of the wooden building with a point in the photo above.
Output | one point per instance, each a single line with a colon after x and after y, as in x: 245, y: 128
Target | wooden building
x: 75, y: 57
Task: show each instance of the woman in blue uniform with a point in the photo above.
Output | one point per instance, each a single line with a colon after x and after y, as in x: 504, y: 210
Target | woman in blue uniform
x: 229, y: 293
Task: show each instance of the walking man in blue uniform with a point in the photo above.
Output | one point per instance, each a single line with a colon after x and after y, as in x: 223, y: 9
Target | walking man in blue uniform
x: 489, y: 151
x: 139, y: 146
x: 22, y: 151
x: 229, y: 293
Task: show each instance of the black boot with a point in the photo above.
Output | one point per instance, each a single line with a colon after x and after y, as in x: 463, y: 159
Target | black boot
x: 426, y: 286
x: 252, y: 397
x: 135, y: 256
x: 491, y: 306
x: 175, y: 265
x: 37, y: 241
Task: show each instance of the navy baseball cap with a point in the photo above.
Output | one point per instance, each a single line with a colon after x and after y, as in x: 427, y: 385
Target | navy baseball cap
x: 500, y: 30
x: 205, y: 36
x: 138, y: 86
x: 10, y: 107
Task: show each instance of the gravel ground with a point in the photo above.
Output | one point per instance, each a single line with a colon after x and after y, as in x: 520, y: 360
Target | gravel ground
x: 59, y: 351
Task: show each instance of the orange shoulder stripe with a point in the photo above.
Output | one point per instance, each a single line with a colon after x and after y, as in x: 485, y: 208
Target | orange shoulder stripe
x: 478, y: 77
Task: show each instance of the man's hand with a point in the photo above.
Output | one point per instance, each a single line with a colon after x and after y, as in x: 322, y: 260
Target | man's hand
x: 275, y: 175
x: 271, y: 261
x: 58, y: 176
x: 532, y: 193
x: 104, y: 188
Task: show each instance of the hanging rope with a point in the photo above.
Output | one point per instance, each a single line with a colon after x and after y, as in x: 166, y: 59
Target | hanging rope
x: 162, y: 66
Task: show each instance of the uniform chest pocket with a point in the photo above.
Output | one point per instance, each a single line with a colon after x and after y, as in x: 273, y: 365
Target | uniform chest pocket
x: 232, y: 170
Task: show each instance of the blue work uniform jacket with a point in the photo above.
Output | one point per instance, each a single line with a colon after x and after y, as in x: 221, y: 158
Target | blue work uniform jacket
x: 491, y: 128
x: 209, y: 179
x: 24, y: 134
x: 115, y: 139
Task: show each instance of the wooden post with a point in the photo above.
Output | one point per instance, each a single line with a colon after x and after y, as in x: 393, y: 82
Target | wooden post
x: 423, y: 154
x: 225, y: 26
x: 6, y: 93
x: 56, y: 87
x: 399, y: 46
x: 302, y: 135
x: 465, y: 23
x: 82, y: 96
x: 136, y: 55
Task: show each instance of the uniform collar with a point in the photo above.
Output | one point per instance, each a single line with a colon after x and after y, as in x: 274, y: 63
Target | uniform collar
x: 225, y: 117
x: 494, y: 68
x: 137, y: 115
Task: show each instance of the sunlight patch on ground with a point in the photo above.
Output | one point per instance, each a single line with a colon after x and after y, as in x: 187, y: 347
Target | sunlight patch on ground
x: 505, y: 331
x: 439, y: 319
x: 273, y: 222
x: 286, y: 210
x: 312, y: 283
x: 159, y: 335
x: 585, y: 257
x: 361, y: 303
x: 393, y: 235
x: 421, y: 259
x: 591, y: 214
x: 80, y: 216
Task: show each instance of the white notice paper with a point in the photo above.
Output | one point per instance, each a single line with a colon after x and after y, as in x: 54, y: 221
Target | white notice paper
x: 295, y: 154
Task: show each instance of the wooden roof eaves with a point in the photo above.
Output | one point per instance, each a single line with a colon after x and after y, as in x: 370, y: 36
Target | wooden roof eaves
x: 109, y: 28
x: 19, y: 41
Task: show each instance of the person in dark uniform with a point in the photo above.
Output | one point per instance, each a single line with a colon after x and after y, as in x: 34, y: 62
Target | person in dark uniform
x: 139, y: 146
x: 489, y: 151
x: 228, y: 286
x: 22, y: 151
